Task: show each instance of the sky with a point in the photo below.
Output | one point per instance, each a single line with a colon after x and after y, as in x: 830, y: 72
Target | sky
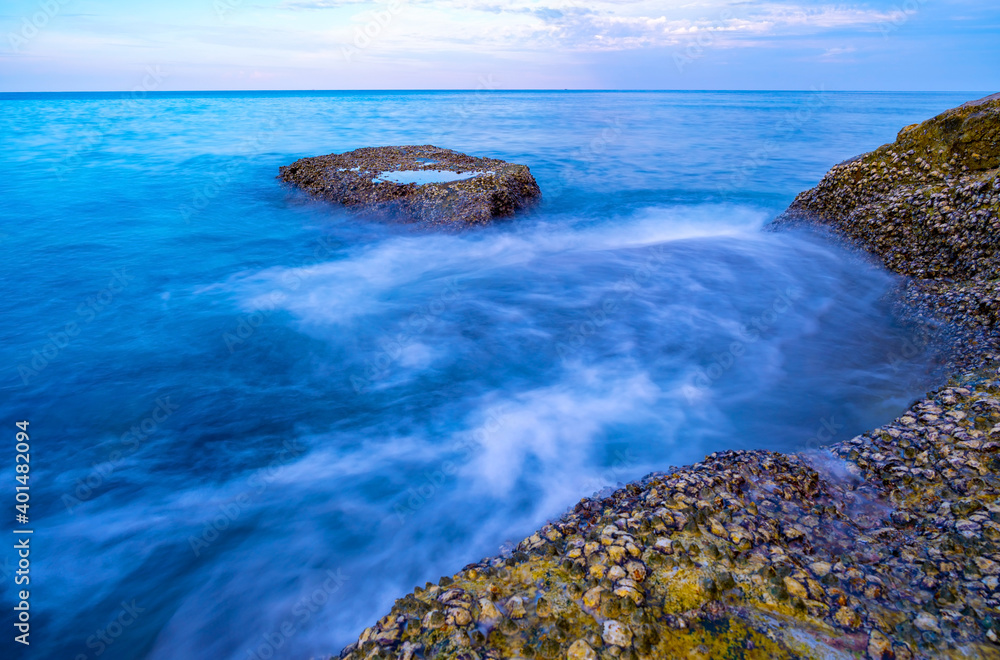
x: 152, y: 45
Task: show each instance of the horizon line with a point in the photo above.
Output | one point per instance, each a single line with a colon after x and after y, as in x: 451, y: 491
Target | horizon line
x: 492, y: 91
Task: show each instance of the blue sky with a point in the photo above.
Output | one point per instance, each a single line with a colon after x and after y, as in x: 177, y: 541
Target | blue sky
x: 69, y: 45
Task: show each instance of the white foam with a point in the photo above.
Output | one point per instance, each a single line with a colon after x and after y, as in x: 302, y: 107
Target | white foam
x: 556, y: 427
x: 337, y: 292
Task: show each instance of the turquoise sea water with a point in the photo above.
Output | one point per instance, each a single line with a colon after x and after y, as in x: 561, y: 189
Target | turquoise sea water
x: 256, y: 421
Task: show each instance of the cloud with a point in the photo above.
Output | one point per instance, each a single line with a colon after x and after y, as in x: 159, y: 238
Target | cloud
x: 320, y: 4
x: 527, y: 43
x: 611, y: 25
x: 641, y: 24
x: 837, y: 54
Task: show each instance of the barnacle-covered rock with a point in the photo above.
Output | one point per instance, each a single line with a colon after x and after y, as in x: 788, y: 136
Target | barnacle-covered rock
x: 884, y: 566
x: 423, y: 184
x: 927, y: 203
x: 885, y: 546
x: 927, y: 206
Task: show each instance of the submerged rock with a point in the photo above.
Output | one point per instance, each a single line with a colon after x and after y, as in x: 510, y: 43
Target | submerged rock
x: 423, y: 184
x: 886, y: 546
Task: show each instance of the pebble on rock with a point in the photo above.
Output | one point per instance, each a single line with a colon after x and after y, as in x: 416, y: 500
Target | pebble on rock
x: 617, y: 634
x: 581, y: 650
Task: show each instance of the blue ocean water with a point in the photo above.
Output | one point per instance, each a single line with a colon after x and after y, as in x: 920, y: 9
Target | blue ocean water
x: 256, y: 421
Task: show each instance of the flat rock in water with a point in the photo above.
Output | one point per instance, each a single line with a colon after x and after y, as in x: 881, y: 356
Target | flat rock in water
x: 423, y: 184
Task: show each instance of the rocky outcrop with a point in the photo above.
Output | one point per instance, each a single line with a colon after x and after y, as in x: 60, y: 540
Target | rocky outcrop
x: 422, y: 184
x: 928, y: 206
x: 886, y: 546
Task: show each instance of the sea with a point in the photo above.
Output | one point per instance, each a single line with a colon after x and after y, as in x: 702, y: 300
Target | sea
x: 256, y: 420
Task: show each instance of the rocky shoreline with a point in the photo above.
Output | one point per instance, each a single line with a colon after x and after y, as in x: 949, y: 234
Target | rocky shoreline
x: 886, y: 546
x: 928, y: 207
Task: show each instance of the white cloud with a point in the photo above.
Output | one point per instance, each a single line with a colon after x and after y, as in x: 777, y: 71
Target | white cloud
x: 838, y: 54
x: 449, y: 43
x: 320, y: 4
x: 608, y: 24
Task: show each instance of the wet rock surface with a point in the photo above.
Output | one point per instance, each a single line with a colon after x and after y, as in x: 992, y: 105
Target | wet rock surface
x: 886, y: 546
x: 374, y: 183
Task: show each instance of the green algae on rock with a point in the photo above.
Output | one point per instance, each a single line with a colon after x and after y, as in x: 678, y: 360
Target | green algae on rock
x: 886, y: 546
x: 423, y: 184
